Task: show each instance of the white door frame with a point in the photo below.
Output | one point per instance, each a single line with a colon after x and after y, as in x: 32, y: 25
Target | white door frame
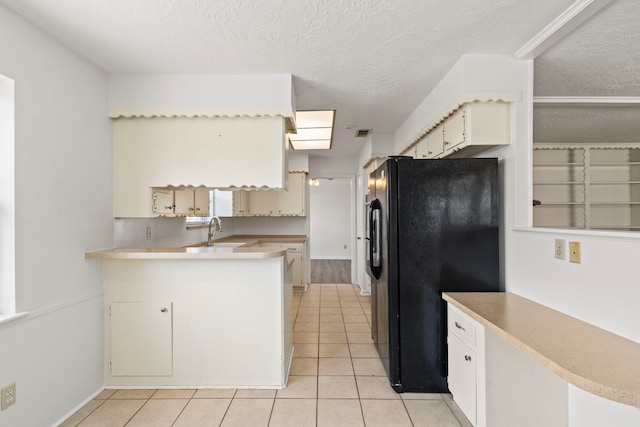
x: 352, y: 219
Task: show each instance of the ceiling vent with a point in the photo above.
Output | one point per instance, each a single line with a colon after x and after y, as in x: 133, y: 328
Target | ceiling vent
x: 362, y: 133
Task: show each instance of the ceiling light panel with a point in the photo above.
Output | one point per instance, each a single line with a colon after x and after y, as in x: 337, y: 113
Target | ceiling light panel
x: 314, y: 119
x: 311, y: 133
x: 314, y: 130
x: 324, y: 144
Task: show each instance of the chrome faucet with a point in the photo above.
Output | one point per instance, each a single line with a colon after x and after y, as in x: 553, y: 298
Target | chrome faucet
x: 217, y: 227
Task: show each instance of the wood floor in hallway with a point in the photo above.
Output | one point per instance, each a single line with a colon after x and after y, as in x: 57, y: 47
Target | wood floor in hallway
x: 330, y: 271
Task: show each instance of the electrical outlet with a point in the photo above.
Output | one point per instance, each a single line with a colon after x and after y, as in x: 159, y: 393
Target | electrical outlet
x: 574, y: 252
x: 148, y: 233
x: 561, y: 248
x: 8, y: 396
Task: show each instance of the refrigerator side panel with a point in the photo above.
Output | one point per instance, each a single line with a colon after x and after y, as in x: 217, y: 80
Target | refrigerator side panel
x: 391, y: 262
x: 379, y: 285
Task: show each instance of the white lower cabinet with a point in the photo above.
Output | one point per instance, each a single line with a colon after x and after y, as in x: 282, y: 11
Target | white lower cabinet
x: 141, y: 338
x: 462, y: 376
x: 297, y: 252
x: 466, y: 365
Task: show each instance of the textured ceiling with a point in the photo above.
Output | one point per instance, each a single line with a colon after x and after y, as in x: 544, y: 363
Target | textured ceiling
x: 373, y: 61
x: 600, y: 58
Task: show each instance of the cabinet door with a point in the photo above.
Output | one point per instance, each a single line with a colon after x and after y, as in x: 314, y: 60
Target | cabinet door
x: 240, y: 203
x: 292, y: 201
x: 296, y: 268
x: 141, y: 339
x: 435, y: 142
x: 201, y: 198
x: 422, y: 149
x: 462, y: 376
x: 162, y: 201
x: 454, y: 129
x: 184, y: 202
x: 262, y: 202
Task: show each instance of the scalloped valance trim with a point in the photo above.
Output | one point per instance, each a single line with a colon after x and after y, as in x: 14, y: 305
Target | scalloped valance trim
x: 579, y: 146
x: 290, y: 121
x: 467, y: 98
x: 229, y: 188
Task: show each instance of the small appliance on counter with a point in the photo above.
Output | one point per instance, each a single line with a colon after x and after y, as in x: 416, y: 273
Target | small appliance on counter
x: 433, y: 228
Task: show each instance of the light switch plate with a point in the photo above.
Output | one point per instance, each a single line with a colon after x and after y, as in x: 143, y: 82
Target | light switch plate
x: 561, y: 249
x: 574, y: 252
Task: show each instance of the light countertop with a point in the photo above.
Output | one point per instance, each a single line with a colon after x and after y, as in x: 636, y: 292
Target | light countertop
x: 584, y: 355
x: 249, y: 250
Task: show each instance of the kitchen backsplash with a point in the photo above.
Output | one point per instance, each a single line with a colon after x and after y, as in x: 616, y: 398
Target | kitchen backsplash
x: 270, y: 225
x: 172, y: 232
x: 165, y: 232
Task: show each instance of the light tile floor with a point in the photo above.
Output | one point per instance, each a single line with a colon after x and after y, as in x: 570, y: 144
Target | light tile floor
x: 336, y: 379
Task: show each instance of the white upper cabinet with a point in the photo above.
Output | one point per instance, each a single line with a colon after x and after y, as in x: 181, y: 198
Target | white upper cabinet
x: 192, y: 202
x: 475, y: 127
x: 217, y: 152
x: 432, y: 145
x: 435, y: 142
x: 240, y: 203
x: 262, y: 202
x: 162, y: 203
x: 180, y: 202
x: 289, y: 202
x: 453, y: 129
x: 292, y: 201
x: 470, y: 129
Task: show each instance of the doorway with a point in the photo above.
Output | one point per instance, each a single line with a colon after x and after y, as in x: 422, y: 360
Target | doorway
x: 331, y: 230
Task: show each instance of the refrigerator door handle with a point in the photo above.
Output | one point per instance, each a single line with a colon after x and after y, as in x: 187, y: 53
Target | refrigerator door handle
x: 376, y: 260
x: 375, y: 237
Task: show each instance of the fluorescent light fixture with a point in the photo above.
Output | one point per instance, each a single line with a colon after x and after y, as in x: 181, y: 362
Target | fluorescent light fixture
x: 315, y: 130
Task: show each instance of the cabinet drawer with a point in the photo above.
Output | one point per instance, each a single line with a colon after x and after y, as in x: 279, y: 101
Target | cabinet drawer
x: 460, y: 325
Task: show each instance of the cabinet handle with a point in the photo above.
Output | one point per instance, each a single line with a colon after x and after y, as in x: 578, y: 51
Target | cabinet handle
x: 467, y: 358
x: 164, y: 309
x: 459, y: 326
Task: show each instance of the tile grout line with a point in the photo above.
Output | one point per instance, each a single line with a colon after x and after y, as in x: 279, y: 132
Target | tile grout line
x: 185, y: 407
x: 140, y: 408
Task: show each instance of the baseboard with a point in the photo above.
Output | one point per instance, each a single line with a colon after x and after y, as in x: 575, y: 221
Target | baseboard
x: 77, y: 408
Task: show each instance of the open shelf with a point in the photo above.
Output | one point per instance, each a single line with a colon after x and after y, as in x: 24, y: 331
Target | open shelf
x: 587, y: 186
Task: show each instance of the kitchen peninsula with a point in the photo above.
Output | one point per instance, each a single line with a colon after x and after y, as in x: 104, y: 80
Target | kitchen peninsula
x: 198, y: 316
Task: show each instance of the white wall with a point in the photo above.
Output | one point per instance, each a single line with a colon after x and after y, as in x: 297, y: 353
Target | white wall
x: 63, y: 186
x: 202, y: 94
x: 330, y: 219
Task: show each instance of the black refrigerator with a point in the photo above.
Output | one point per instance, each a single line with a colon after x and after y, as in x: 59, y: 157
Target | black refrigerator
x: 432, y: 228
